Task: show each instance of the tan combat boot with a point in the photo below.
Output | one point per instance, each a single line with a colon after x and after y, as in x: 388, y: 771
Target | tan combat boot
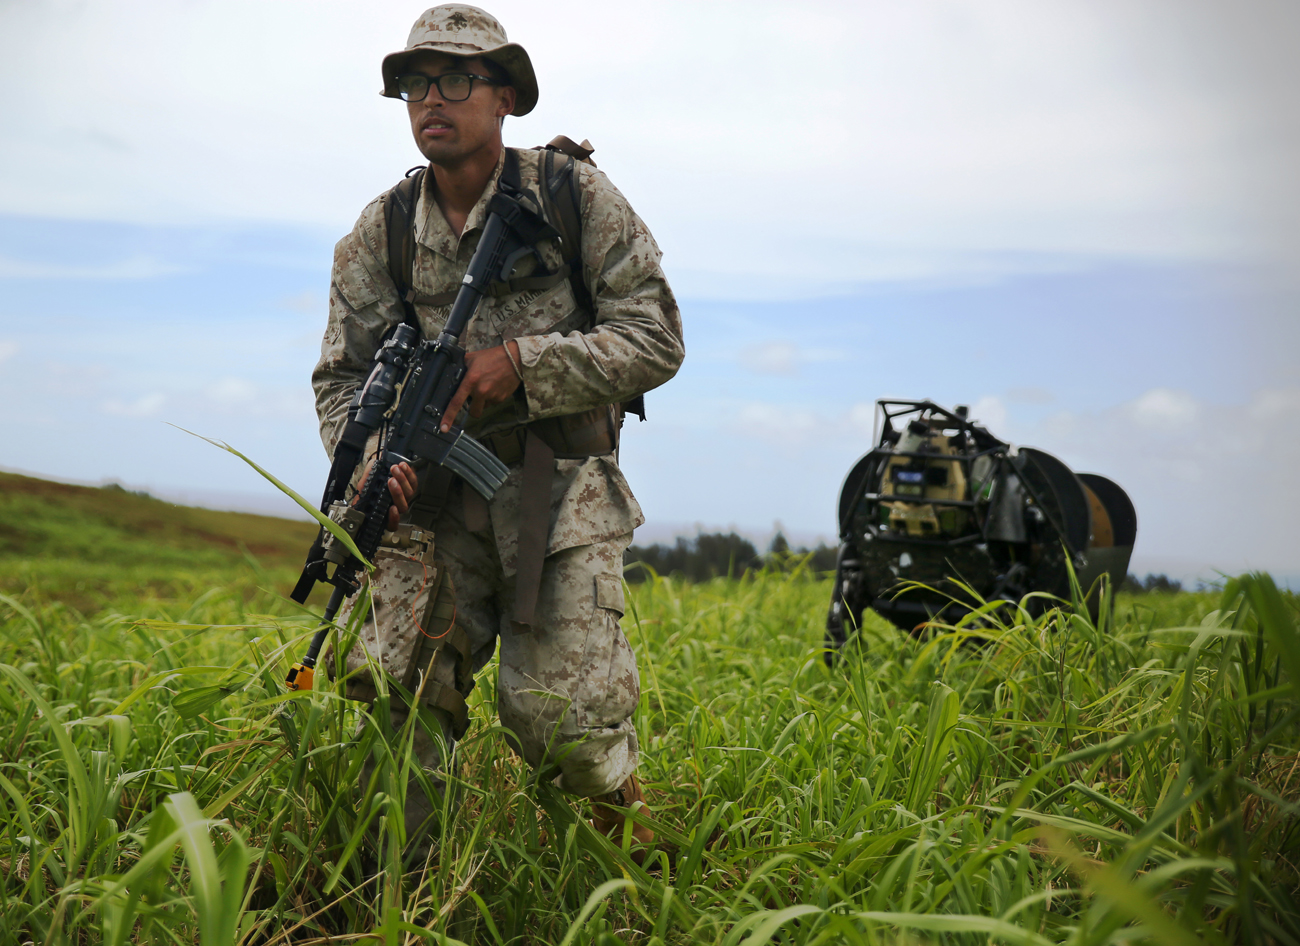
x: 610, y: 823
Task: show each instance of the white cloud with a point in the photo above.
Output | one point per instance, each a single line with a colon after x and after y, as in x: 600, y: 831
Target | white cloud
x: 149, y: 405
x: 64, y: 379
x: 958, y: 139
x: 1030, y: 395
x: 1163, y: 409
x: 784, y: 358
x: 306, y: 302
x: 7, y: 350
x: 1061, y: 425
x: 799, y: 427
x: 862, y: 420
x: 1211, y: 482
x: 990, y: 412
x: 782, y: 424
x: 241, y: 396
x: 773, y: 358
x: 135, y: 267
x: 232, y: 392
x: 1280, y: 405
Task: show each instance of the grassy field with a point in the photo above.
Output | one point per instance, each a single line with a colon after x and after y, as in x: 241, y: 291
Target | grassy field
x: 109, y: 548
x: 1049, y: 781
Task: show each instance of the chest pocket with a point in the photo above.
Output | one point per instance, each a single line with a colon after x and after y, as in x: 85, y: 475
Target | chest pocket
x: 537, y: 300
x: 535, y: 312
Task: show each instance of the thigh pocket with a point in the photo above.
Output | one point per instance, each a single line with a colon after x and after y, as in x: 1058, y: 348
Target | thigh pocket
x: 609, y: 593
x: 400, y: 590
x: 614, y: 688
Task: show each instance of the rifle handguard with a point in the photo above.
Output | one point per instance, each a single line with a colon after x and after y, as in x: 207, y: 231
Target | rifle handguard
x: 350, y: 518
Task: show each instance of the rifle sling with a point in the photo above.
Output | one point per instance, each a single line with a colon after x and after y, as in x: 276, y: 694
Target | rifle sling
x: 534, y: 529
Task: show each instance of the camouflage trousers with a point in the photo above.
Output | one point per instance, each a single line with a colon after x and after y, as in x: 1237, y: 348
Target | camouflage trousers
x: 565, y: 690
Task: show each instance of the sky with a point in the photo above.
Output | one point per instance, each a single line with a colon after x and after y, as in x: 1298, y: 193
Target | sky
x: 1080, y: 219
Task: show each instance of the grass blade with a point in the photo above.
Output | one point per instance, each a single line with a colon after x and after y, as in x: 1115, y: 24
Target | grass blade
x: 326, y: 522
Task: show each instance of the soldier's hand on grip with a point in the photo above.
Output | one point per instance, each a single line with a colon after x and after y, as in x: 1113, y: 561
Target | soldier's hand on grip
x: 490, y: 378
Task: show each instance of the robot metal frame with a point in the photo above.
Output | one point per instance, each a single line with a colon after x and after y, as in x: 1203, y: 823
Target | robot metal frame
x: 940, y: 506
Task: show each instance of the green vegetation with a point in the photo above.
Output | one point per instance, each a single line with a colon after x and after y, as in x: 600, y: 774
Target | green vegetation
x: 1035, y: 781
x: 1160, y: 584
x: 96, y: 548
x: 714, y: 555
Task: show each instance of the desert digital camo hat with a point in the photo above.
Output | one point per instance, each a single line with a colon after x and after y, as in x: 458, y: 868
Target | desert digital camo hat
x: 461, y: 30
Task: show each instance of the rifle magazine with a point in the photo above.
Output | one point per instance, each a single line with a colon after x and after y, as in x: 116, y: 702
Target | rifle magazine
x: 476, y: 465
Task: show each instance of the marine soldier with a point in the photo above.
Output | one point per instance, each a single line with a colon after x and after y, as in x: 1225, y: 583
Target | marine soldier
x: 538, y: 570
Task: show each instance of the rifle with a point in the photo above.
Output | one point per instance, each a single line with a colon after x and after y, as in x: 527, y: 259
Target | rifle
x: 410, y: 385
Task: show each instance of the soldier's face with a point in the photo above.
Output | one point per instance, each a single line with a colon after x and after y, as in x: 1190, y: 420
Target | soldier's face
x: 448, y: 132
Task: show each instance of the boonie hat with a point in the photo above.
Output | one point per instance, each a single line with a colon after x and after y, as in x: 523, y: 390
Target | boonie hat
x: 459, y: 29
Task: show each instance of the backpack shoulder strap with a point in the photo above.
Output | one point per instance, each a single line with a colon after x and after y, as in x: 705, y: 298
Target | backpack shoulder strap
x: 562, y: 195
x: 399, y: 220
x: 579, y: 152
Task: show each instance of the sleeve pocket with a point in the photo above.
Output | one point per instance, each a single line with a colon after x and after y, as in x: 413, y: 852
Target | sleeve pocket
x: 351, y: 276
x: 609, y: 593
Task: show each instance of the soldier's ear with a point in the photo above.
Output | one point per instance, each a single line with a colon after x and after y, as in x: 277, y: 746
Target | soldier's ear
x: 506, y: 102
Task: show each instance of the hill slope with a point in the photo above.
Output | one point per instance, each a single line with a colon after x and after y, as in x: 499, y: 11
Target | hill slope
x: 85, y: 544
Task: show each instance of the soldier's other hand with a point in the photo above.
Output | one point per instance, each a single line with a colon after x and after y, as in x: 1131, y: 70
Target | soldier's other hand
x: 490, y: 378
x: 402, y: 485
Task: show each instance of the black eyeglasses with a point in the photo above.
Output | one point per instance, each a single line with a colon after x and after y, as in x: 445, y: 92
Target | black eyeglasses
x: 452, y: 86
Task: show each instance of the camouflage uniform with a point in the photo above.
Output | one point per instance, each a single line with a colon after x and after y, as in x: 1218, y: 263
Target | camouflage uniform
x: 567, y: 689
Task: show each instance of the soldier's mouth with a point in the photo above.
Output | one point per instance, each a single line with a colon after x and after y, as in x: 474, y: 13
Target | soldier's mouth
x: 434, y: 128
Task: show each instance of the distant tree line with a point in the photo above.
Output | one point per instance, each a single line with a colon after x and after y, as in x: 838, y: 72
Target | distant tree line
x: 710, y: 555
x: 119, y: 488
x: 1157, y: 583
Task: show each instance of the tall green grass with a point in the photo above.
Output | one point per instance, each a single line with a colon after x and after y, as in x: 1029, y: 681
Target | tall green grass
x: 99, y: 548
x: 1021, y: 780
